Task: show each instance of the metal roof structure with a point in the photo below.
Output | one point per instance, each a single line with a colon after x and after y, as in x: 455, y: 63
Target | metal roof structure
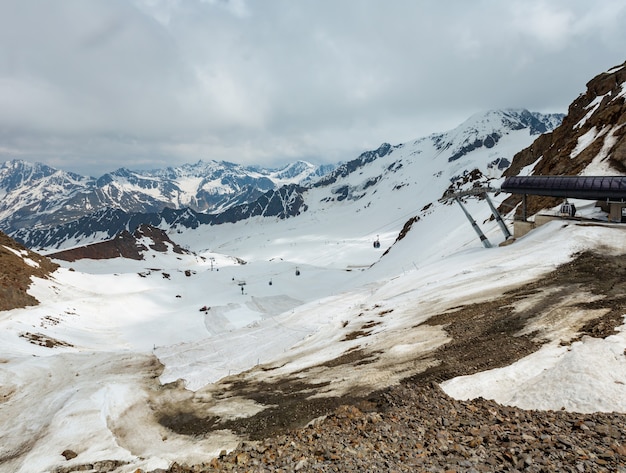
x: 609, y: 188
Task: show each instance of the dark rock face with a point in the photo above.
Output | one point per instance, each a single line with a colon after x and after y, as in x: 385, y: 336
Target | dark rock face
x: 489, y: 142
x: 486, y: 130
x: 17, y: 266
x: 351, y: 166
x: 597, y: 117
x: 288, y: 201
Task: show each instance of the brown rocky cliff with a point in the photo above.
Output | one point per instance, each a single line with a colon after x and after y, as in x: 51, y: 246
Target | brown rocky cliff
x: 551, y: 152
x: 18, y: 265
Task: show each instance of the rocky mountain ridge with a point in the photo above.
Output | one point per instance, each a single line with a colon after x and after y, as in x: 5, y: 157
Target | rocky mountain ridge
x: 124, y: 245
x: 105, y: 224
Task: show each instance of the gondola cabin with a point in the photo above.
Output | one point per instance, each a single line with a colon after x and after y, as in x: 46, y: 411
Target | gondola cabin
x: 567, y: 209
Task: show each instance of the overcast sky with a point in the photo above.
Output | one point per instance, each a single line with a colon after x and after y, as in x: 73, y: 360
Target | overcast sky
x: 93, y: 85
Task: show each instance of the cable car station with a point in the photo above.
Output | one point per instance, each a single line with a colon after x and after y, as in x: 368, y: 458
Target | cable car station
x: 609, y: 191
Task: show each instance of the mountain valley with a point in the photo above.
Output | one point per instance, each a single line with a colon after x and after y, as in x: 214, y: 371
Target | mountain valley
x: 266, y: 331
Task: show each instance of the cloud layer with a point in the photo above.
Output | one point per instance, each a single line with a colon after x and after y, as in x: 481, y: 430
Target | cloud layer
x: 93, y: 86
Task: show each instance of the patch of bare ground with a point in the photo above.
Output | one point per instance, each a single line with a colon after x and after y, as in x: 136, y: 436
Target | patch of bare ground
x: 483, y: 336
x: 44, y: 340
x: 487, y: 335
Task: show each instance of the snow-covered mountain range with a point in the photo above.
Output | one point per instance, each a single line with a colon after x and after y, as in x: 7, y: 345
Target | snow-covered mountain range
x: 39, y: 196
x: 486, y: 142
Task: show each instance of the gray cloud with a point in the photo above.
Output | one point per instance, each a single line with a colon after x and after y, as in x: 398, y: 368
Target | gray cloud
x: 92, y: 86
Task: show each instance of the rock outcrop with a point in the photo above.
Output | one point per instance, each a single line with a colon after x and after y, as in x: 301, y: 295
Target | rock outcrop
x: 18, y: 265
x: 124, y: 245
x: 592, y: 133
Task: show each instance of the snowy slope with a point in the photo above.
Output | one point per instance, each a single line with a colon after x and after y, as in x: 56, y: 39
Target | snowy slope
x: 91, y: 390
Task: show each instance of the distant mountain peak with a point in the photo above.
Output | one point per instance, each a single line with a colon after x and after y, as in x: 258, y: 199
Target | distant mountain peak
x: 485, y: 129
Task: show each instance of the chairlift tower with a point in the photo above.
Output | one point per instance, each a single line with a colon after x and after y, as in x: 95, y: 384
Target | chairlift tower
x: 478, y: 191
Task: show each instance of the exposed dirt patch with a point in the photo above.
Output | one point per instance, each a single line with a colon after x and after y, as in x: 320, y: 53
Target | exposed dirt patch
x: 356, y: 334
x: 486, y: 336
x: 364, y: 331
x: 287, y: 396
x: 354, y: 357
x: 44, y: 340
x: 483, y: 336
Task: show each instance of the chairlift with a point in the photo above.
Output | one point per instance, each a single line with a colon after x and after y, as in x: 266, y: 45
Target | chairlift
x: 297, y: 272
x: 568, y: 209
x: 377, y: 242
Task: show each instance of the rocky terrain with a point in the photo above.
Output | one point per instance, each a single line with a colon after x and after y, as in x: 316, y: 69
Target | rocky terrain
x: 415, y: 428
x: 125, y: 245
x: 18, y: 265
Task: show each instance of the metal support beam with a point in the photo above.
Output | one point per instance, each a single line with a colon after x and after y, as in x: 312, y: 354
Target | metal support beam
x: 498, y: 217
x: 477, y: 229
